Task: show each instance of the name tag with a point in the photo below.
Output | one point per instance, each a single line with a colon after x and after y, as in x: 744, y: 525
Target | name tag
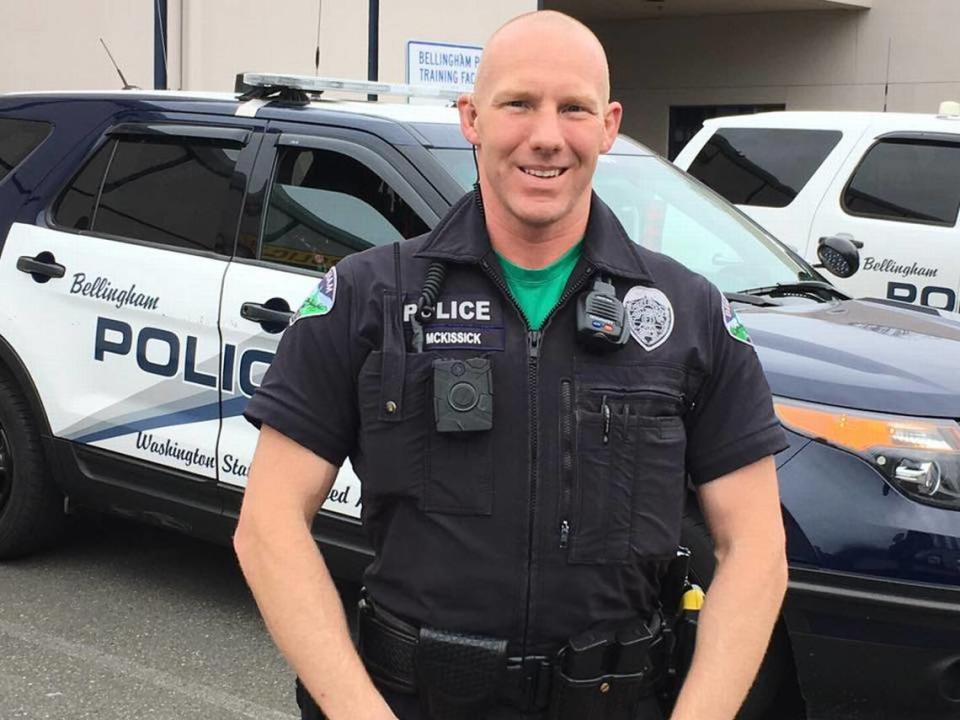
x: 440, y: 336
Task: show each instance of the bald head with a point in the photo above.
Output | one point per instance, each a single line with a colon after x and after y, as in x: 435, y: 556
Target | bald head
x: 546, y: 28
x: 539, y: 117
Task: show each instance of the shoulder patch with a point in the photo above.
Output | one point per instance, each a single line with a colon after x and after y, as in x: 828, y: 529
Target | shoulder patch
x: 650, y: 314
x: 732, y: 322
x: 321, y: 300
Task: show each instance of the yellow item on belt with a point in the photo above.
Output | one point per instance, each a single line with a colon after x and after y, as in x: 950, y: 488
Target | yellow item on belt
x: 692, y: 598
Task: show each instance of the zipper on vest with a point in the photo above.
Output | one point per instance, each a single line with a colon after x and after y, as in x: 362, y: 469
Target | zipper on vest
x: 567, y: 422
x: 534, y: 342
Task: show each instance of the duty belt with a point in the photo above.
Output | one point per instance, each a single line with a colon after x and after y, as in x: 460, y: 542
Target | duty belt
x: 392, y: 651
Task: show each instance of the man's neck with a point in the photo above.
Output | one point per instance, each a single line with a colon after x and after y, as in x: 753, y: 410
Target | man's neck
x: 534, y: 247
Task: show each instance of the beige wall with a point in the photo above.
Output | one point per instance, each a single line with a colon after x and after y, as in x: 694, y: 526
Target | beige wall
x: 461, y: 23
x: 53, y: 44
x: 223, y: 37
x: 805, y: 60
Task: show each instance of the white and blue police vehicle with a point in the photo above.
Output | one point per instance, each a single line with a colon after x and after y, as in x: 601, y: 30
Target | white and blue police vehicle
x: 153, y: 246
x: 887, y: 182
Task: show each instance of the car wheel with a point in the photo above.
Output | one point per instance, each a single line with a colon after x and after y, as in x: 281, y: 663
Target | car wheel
x: 778, y: 662
x: 31, y: 507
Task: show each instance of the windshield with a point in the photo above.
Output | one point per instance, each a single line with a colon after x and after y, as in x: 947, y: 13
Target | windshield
x: 664, y: 210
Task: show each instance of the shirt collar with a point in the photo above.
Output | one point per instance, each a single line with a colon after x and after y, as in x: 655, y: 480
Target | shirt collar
x: 461, y: 236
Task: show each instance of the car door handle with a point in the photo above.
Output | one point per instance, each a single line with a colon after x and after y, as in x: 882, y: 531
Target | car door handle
x: 269, y: 317
x: 42, y: 267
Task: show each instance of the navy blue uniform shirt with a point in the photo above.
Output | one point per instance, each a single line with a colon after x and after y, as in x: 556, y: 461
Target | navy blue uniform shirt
x: 566, y: 512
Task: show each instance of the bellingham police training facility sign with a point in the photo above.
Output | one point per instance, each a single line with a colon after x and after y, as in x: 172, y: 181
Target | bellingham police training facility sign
x: 442, y: 65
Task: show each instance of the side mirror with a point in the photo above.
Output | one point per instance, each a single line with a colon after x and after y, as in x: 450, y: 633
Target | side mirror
x: 840, y: 254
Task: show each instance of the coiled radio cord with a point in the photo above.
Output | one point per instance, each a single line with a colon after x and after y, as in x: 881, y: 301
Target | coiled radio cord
x: 429, y: 294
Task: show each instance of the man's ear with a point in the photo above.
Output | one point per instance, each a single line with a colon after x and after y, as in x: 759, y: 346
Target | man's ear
x: 468, y: 118
x: 611, y: 125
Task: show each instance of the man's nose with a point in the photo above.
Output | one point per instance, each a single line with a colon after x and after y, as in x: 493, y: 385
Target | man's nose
x: 546, y: 134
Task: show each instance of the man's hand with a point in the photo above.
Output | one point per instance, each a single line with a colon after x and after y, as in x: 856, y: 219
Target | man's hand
x: 289, y: 579
x: 741, y: 607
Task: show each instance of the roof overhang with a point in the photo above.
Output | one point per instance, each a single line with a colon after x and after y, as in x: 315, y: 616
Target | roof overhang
x: 650, y: 9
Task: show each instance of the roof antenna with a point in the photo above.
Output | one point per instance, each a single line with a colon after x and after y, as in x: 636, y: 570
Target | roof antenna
x: 886, y: 84
x: 126, y: 85
x: 316, y: 57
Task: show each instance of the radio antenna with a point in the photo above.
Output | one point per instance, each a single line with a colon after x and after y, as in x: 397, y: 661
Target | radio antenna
x: 886, y: 84
x: 316, y: 57
x: 126, y: 85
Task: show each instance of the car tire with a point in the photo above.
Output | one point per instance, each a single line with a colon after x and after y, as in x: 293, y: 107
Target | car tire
x: 31, y: 507
x: 778, y: 663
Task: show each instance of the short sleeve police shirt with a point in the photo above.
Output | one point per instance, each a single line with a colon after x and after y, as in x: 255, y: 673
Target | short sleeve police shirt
x: 309, y: 391
x: 685, y: 396
x: 732, y: 422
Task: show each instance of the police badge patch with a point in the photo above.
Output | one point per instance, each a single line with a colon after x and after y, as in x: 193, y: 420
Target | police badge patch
x: 321, y: 300
x: 650, y: 314
x: 732, y: 322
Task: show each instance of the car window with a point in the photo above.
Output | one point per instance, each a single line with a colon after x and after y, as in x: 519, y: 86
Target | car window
x: 74, y: 207
x: 664, y: 210
x: 18, y: 138
x: 766, y: 167
x: 325, y: 205
x: 907, y: 181
x: 174, y: 191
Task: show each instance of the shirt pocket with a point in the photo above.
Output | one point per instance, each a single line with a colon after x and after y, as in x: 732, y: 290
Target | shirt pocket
x: 622, y: 466
x: 405, y: 456
x: 393, y: 446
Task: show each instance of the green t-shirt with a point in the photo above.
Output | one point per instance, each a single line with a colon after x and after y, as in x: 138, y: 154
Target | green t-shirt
x: 538, y: 291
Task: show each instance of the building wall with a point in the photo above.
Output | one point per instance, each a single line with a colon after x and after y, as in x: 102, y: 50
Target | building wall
x: 805, y: 60
x: 461, y: 23
x: 213, y: 40
x: 53, y: 45
x: 829, y: 60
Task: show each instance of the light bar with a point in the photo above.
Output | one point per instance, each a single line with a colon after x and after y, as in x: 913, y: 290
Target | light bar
x: 309, y: 83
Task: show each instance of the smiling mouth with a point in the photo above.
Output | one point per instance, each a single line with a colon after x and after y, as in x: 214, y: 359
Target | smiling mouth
x: 544, y: 173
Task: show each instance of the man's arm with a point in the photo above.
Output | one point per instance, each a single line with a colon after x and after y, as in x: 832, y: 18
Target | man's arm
x: 290, y: 581
x: 742, y: 510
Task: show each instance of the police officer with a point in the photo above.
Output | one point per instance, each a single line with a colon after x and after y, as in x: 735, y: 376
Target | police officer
x: 524, y: 393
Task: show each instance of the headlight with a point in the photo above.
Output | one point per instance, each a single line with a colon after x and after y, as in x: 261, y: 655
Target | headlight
x: 920, y: 456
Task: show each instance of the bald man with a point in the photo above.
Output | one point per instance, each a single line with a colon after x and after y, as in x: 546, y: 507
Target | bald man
x: 523, y: 477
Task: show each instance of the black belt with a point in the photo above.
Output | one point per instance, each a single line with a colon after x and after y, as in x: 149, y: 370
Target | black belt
x: 388, y: 646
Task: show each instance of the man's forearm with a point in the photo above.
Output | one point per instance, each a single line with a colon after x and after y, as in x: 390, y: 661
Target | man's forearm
x: 303, y: 613
x: 732, y: 635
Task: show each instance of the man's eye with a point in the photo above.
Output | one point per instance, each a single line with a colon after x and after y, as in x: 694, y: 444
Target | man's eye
x: 575, y: 108
x: 516, y: 103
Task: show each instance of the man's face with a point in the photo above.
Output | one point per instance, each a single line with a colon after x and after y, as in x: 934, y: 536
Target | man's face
x: 539, y: 121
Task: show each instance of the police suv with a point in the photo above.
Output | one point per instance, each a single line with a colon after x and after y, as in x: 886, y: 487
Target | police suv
x: 154, y: 245
x: 887, y: 183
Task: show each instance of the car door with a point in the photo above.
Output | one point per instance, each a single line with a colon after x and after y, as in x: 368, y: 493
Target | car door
x: 324, y: 193
x: 898, y: 195
x: 115, y: 296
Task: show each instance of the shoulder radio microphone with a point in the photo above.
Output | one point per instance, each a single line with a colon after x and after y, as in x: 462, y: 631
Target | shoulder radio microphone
x: 602, y: 322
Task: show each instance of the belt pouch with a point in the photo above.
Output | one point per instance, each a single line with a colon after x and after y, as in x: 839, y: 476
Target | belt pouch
x: 458, y: 676
x: 607, y: 697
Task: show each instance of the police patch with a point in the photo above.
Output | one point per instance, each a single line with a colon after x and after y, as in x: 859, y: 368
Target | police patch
x: 732, y: 322
x: 321, y: 300
x: 650, y: 314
